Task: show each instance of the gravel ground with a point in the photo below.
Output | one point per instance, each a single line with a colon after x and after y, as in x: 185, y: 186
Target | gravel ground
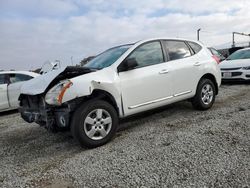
x: 175, y: 146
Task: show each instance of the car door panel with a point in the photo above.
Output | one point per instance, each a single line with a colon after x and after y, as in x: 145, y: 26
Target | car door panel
x: 186, y: 74
x: 3, y: 97
x: 185, y: 68
x: 144, y: 88
x: 13, y: 93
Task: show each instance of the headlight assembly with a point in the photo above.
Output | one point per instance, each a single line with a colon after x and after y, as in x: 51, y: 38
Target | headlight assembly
x: 55, y: 95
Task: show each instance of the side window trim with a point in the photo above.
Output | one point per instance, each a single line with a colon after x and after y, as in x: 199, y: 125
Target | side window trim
x: 190, y: 48
x: 165, y: 51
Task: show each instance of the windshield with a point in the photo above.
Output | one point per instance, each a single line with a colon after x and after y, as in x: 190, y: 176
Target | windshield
x: 108, y: 57
x: 241, y: 54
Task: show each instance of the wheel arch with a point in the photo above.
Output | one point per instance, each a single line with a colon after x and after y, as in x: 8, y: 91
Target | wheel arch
x: 213, y: 79
x: 106, y: 96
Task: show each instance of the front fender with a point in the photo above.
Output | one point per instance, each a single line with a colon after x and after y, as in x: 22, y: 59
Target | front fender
x: 84, y: 85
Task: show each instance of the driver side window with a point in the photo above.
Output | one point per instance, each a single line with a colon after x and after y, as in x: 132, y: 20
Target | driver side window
x: 148, y: 54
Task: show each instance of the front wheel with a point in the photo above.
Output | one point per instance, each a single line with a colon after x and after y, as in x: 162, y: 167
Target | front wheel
x: 205, y: 95
x: 94, y: 123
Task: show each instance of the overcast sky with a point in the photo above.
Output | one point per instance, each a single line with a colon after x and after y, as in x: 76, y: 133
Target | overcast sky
x: 33, y: 31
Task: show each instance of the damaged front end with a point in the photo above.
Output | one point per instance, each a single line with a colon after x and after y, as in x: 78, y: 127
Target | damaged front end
x: 45, y: 107
x: 54, y: 118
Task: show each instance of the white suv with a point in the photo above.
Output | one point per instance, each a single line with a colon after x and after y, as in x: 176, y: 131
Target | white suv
x: 119, y: 82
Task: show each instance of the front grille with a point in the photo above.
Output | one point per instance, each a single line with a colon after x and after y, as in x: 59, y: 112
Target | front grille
x: 227, y: 69
x: 236, y: 73
x: 232, y: 74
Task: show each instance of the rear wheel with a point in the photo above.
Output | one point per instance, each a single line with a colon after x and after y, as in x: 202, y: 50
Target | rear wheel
x: 94, y: 123
x: 205, y: 95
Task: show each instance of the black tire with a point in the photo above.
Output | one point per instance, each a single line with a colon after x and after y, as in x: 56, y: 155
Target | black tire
x: 79, y: 125
x: 197, y: 101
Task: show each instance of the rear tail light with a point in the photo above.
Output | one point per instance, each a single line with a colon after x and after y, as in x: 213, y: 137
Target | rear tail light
x: 216, y: 59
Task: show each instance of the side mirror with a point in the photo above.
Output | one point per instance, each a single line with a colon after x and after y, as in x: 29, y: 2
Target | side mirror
x: 127, y: 64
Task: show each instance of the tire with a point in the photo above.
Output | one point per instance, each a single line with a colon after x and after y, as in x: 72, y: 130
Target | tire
x: 205, y: 95
x: 94, y: 123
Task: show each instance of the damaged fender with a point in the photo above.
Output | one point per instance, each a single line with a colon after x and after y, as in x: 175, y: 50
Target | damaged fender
x: 84, y: 85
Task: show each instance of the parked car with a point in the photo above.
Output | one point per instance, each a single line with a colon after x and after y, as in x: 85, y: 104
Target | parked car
x: 236, y: 66
x: 217, y: 55
x: 120, y: 82
x: 10, y: 84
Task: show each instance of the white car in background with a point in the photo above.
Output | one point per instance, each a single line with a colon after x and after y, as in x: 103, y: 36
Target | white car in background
x: 237, y: 66
x: 10, y: 85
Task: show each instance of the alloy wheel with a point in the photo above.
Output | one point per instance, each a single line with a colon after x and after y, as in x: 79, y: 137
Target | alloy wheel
x: 207, y: 94
x: 97, y: 124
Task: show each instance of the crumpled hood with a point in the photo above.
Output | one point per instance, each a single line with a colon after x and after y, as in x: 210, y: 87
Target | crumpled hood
x: 39, y: 84
x: 235, y: 63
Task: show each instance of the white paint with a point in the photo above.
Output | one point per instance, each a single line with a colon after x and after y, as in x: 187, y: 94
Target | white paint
x: 9, y: 93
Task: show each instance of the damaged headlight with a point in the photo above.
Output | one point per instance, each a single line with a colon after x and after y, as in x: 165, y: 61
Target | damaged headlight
x: 55, y: 95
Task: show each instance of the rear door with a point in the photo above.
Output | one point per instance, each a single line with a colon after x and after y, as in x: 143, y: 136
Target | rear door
x: 184, y: 68
x: 4, y: 104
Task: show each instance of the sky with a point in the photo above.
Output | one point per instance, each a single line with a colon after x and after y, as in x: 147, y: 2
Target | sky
x: 34, y: 31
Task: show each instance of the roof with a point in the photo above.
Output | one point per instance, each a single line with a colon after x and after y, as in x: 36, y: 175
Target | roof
x: 169, y: 38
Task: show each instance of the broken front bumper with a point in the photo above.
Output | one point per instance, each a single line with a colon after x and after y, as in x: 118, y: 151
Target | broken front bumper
x: 34, y: 109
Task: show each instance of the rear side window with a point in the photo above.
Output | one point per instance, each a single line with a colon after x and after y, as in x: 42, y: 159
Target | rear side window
x: 177, y: 50
x: 195, y: 47
x: 19, y: 78
x: 22, y: 77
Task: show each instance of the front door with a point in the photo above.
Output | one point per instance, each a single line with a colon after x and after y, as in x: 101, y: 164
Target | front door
x: 148, y: 85
x: 3, y: 93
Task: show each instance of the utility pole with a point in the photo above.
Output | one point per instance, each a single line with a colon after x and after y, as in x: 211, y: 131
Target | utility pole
x: 198, y: 34
x: 71, y: 60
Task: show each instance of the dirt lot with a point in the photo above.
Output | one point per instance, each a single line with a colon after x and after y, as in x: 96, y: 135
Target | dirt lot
x: 171, y: 147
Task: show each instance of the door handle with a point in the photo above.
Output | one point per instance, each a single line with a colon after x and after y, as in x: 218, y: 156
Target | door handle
x: 197, y: 64
x: 164, y: 71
